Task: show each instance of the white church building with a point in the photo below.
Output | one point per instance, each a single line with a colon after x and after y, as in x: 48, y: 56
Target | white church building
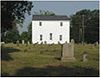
x: 50, y: 29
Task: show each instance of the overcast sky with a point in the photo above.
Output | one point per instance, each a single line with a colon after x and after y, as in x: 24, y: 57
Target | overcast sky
x: 59, y: 8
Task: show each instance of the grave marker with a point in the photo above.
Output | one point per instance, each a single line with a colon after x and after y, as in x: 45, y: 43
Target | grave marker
x: 17, y: 42
x: 85, y: 55
x: 28, y: 42
x: 23, y: 42
x: 96, y: 44
x: 68, y: 51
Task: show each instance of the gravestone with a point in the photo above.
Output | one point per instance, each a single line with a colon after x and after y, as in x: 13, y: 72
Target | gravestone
x: 96, y: 44
x: 85, y: 55
x: 28, y: 42
x: 68, y: 51
x: 2, y: 43
x: 23, y: 42
x: 17, y: 42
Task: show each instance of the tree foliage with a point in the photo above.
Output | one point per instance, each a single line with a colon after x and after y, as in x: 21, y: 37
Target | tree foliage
x: 24, y: 36
x: 13, y: 12
x: 44, y: 12
x: 30, y: 32
x: 11, y: 36
x: 91, y: 26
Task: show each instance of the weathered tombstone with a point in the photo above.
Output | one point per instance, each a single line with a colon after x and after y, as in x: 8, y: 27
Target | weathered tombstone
x: 72, y: 41
x: 84, y: 56
x: 96, y: 44
x: 17, y: 42
x: 68, y: 51
x: 2, y: 43
x: 28, y: 42
x: 23, y: 42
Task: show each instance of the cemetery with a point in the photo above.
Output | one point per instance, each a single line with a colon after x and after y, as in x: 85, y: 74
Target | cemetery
x: 37, y: 41
x: 24, y: 59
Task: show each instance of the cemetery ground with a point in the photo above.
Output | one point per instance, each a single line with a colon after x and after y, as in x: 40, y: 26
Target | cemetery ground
x: 44, y: 60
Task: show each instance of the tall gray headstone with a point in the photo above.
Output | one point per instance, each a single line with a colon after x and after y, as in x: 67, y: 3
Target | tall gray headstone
x: 68, y: 51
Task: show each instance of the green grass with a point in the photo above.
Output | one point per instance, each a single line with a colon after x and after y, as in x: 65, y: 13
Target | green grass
x: 42, y: 60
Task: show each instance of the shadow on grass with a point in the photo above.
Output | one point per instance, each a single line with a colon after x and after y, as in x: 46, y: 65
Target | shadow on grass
x: 57, y: 71
x: 5, y: 53
x: 4, y: 74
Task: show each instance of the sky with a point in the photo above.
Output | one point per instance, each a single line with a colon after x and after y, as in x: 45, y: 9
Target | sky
x: 59, y: 8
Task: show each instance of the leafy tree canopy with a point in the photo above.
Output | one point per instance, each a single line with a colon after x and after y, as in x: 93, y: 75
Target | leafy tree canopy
x: 91, y: 26
x: 24, y: 36
x: 43, y: 12
x: 13, y: 12
x: 11, y: 36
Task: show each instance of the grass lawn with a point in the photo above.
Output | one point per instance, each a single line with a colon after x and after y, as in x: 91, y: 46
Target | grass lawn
x: 42, y: 60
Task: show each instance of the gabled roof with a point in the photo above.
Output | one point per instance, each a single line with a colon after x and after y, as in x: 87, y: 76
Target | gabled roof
x: 55, y: 17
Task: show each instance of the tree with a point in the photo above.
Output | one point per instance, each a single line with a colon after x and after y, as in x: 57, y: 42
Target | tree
x: 30, y: 32
x: 91, y: 26
x: 43, y: 12
x: 11, y: 36
x: 24, y: 36
x: 13, y: 12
